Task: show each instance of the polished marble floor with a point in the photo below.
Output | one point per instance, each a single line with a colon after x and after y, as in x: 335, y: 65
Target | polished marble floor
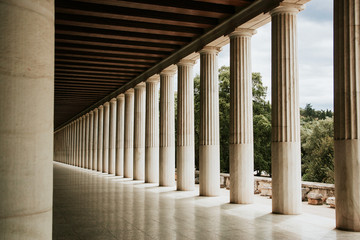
x: 89, y: 205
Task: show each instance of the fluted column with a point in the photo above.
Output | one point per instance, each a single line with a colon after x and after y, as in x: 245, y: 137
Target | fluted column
x: 105, y: 167
x: 100, y: 138
x: 346, y: 113
x: 139, y: 132
x: 152, y: 131
x: 285, y: 149
x: 167, y: 129
x: 26, y: 119
x: 87, y: 144
x: 129, y: 134
x: 91, y: 139
x: 209, y: 149
x: 112, y: 136
x: 241, y: 118
x: 185, y: 127
x: 95, y: 138
x: 120, y: 111
x: 73, y: 137
x: 83, y: 141
x: 78, y: 151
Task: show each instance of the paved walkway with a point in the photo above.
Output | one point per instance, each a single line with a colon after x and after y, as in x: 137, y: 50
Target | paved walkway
x: 90, y: 205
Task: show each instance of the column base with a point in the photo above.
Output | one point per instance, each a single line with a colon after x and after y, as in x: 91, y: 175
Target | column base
x: 286, y: 177
x: 139, y: 163
x: 209, y: 178
x: 185, y: 168
x: 242, y: 173
x: 152, y: 165
x: 347, y: 193
x: 167, y: 166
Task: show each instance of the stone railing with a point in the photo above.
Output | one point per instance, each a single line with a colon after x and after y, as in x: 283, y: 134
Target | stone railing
x: 262, y: 185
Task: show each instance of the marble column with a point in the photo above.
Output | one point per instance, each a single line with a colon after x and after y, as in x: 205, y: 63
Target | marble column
x: 209, y: 149
x: 87, y: 144
x: 73, y: 139
x: 78, y: 145
x: 83, y: 141
x: 241, y: 118
x: 167, y: 129
x: 139, y: 132
x: 105, y: 167
x: 91, y: 139
x: 129, y: 133
x: 112, y: 136
x: 152, y: 131
x: 120, y: 111
x: 185, y: 149
x: 346, y: 113
x: 26, y: 119
x: 95, y: 138
x: 285, y: 148
x: 100, y: 138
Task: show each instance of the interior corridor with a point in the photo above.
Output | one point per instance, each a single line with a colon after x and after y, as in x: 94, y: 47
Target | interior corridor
x: 90, y: 205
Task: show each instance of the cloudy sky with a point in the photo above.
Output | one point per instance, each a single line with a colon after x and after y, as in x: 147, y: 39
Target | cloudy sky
x: 315, y: 54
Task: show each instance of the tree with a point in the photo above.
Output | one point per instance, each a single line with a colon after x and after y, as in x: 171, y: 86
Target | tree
x: 317, y: 150
x: 262, y: 121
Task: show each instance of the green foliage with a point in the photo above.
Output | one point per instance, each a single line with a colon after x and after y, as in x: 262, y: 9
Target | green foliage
x: 317, y: 150
x: 262, y: 121
x: 310, y: 114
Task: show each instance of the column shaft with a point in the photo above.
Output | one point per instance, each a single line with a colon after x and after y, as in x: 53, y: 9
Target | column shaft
x: 209, y: 149
x: 87, y: 140
x: 112, y: 135
x: 167, y: 129
x: 91, y: 139
x: 83, y: 141
x: 129, y: 134
x: 119, y: 166
x: 105, y: 167
x: 346, y: 113
x: 100, y: 138
x: 96, y: 136
x: 139, y: 132
x: 185, y: 128
x: 285, y: 149
x: 26, y: 119
x: 152, y: 131
x: 241, y: 118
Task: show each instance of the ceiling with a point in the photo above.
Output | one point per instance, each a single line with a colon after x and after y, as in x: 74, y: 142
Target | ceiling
x: 101, y: 45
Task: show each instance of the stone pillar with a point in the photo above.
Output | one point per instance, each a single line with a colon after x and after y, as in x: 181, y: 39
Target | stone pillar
x: 73, y: 139
x: 152, y: 131
x: 139, y: 132
x: 185, y: 127
x: 346, y: 113
x: 100, y: 138
x: 91, y: 139
x: 112, y: 143
x: 119, y: 166
x: 95, y: 138
x: 105, y: 167
x: 167, y: 129
x: 285, y: 149
x: 83, y: 141
x: 129, y: 133
x: 241, y: 118
x: 78, y: 153
x: 209, y: 149
x: 87, y: 144
x: 26, y: 119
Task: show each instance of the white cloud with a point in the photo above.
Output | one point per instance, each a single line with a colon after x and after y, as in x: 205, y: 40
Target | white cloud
x: 315, y: 54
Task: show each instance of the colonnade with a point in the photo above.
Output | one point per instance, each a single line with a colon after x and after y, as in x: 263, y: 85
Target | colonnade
x: 26, y: 121
x: 147, y: 152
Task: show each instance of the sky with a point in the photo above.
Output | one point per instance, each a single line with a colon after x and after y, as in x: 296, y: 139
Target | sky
x: 315, y: 54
